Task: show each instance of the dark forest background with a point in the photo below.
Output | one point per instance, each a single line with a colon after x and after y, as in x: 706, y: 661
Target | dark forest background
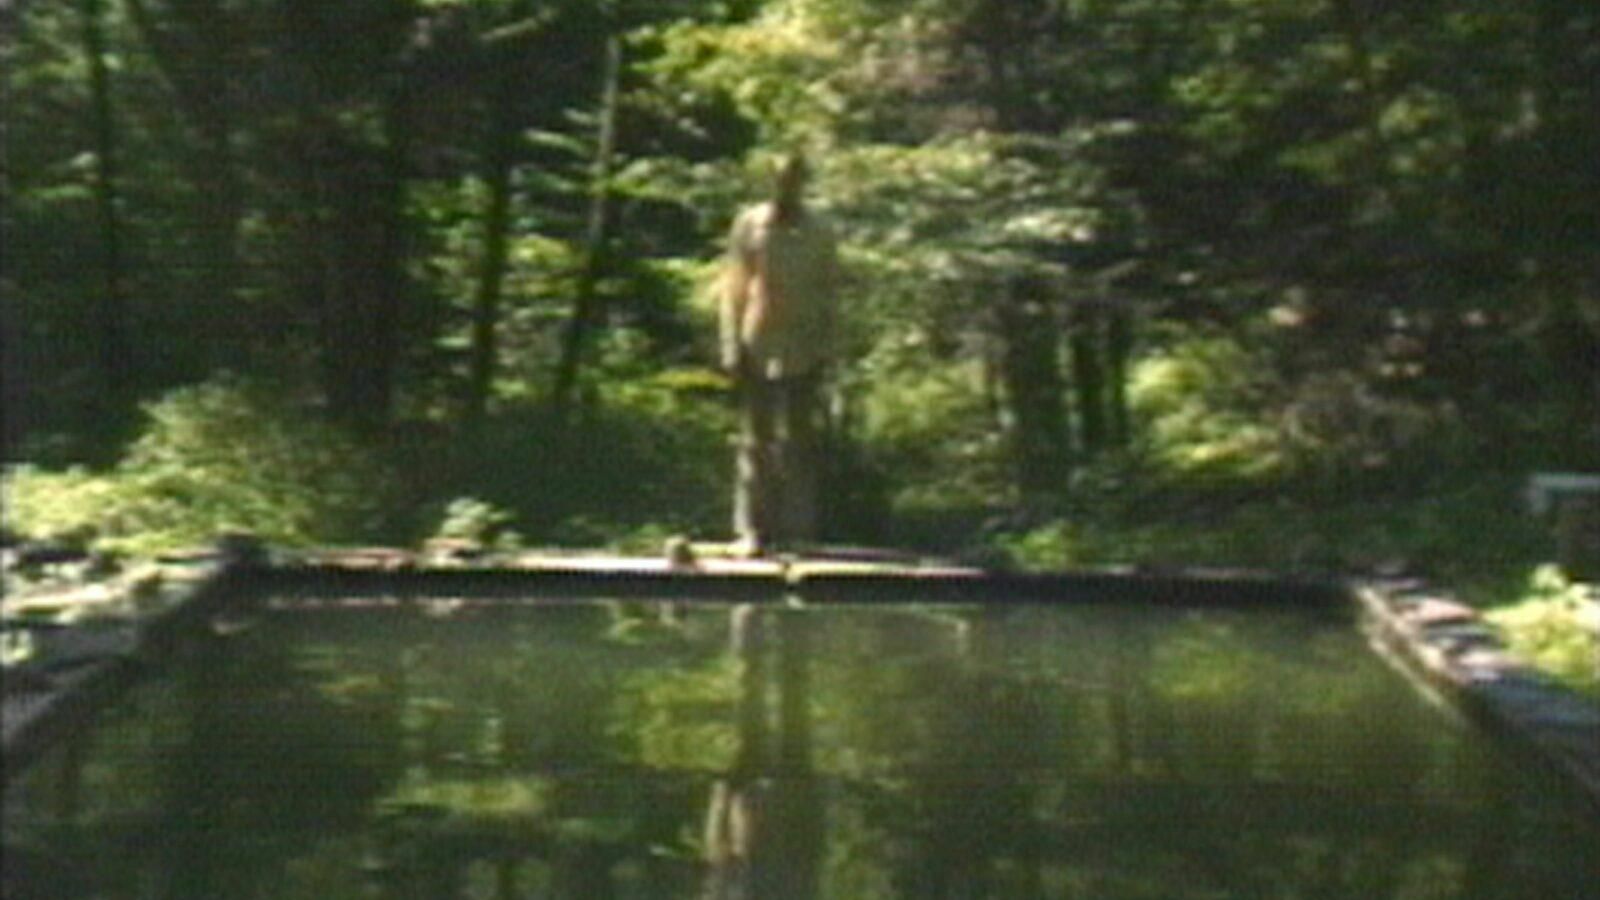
x: 1301, y: 283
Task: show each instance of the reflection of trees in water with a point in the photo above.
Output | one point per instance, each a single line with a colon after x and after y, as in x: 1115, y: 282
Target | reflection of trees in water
x: 209, y: 777
x: 600, y: 824
x: 250, y: 710
x: 1118, y: 753
x: 773, y: 752
x: 520, y: 781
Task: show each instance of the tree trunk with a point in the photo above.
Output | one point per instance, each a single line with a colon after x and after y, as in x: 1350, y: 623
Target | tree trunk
x: 1031, y: 375
x: 375, y: 226
x: 390, y: 283
x: 1088, y: 376
x: 351, y: 272
x: 216, y: 262
x: 1030, y: 365
x: 496, y: 245
x: 193, y: 50
x: 1119, y: 345
x: 115, y: 355
x: 587, y: 311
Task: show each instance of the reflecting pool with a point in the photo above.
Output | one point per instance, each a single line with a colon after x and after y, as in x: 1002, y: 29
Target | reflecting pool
x: 628, y: 750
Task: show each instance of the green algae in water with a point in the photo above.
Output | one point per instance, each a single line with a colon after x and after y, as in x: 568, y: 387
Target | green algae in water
x: 583, y: 751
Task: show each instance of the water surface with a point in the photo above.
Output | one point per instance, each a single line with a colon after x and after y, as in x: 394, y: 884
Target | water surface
x: 613, y: 751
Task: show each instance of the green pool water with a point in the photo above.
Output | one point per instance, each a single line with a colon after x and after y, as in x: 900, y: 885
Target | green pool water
x: 630, y: 751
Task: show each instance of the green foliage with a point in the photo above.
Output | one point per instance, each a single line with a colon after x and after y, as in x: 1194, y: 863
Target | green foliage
x: 1338, y: 420
x: 222, y: 456
x: 1205, y: 663
x: 646, y: 458
x: 514, y: 799
x: 1189, y: 164
x: 1213, y: 408
x: 472, y: 521
x: 1204, y: 403
x: 73, y: 502
x: 1545, y: 626
x: 932, y: 232
x: 679, y: 720
x: 774, y: 68
x: 1055, y: 546
x: 1467, y: 533
x: 931, y: 427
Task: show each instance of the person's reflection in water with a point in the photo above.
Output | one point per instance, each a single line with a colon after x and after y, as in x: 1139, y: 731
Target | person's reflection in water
x: 764, y: 830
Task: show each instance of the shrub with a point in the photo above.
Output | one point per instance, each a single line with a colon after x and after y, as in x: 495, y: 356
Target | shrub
x: 650, y: 452
x: 471, y: 521
x: 1056, y: 545
x: 70, y: 503
x: 932, y: 427
x: 1543, y: 627
x: 224, y: 455
x: 1216, y: 409
x: 1203, y: 404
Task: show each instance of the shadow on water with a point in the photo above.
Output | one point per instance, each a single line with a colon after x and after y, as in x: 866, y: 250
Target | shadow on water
x: 606, y: 751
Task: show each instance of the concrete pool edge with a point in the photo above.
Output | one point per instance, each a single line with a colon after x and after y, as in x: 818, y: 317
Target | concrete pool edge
x: 1441, y: 642
x: 1454, y: 652
x: 53, y: 700
x: 812, y: 582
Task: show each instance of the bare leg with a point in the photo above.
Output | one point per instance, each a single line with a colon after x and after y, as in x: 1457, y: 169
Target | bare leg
x: 754, y: 508
x: 801, y: 455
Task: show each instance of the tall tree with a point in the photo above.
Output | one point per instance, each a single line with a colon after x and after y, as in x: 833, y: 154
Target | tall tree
x: 587, y: 302
x: 499, y: 162
x: 1031, y: 374
x: 195, y: 44
x: 115, y: 356
x: 350, y: 114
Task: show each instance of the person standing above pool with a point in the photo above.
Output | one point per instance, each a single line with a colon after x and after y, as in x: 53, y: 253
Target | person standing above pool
x: 778, y: 315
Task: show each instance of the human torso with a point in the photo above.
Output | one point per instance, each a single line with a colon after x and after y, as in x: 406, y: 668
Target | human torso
x: 784, y: 326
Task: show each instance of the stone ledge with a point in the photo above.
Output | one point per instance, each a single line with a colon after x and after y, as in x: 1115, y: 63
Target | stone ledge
x: 1456, y: 653
x: 86, y: 665
x: 321, y: 582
